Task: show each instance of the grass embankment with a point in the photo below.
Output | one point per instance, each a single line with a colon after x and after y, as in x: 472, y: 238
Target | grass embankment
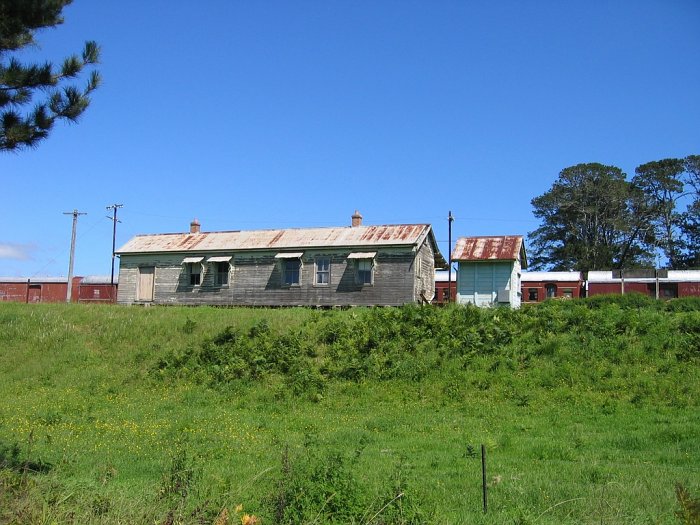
x: 588, y: 410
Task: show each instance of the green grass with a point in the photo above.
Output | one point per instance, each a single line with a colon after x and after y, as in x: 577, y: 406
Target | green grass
x: 588, y: 410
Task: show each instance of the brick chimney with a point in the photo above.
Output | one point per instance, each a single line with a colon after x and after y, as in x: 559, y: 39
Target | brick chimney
x: 194, y: 226
x: 356, y: 219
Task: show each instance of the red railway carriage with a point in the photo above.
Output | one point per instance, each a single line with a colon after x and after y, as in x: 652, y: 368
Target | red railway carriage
x: 538, y: 286
x: 33, y: 290
x: 445, y: 291
x: 662, y: 284
x: 91, y: 289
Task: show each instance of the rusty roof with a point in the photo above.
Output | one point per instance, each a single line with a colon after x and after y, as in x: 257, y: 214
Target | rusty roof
x: 495, y: 248
x: 292, y: 238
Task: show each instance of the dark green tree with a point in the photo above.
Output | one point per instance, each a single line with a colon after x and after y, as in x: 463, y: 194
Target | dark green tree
x: 662, y: 184
x: 591, y: 219
x: 692, y: 170
x: 690, y: 242
x: 690, y: 219
x: 20, y: 83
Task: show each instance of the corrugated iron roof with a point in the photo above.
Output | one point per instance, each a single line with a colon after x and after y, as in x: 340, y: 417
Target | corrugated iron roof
x: 358, y: 236
x: 550, y: 276
x: 88, y: 279
x: 99, y: 279
x: 613, y: 276
x: 684, y: 275
x: 496, y: 248
x: 33, y: 280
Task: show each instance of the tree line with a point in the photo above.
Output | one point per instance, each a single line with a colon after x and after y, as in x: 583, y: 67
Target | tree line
x: 595, y: 218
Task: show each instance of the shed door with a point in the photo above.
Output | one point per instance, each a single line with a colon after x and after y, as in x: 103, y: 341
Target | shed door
x: 34, y: 295
x: 146, y: 280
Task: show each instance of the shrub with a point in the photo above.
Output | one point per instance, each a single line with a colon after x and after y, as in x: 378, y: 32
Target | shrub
x: 628, y: 300
x: 683, y: 304
x: 324, y: 488
x: 318, y: 488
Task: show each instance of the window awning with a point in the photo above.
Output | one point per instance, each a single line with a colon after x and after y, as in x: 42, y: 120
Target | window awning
x: 191, y: 260
x: 362, y: 255
x: 293, y: 255
x: 219, y: 258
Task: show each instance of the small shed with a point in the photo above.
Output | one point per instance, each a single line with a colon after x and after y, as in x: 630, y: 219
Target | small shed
x: 489, y: 270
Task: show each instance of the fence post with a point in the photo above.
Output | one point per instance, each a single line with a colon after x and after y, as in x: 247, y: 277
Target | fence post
x: 483, y: 477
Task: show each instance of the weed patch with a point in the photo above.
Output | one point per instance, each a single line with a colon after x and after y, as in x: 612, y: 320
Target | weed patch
x: 588, y: 409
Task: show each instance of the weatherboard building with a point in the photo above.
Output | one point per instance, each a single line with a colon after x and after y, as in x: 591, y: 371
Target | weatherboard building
x: 336, y: 266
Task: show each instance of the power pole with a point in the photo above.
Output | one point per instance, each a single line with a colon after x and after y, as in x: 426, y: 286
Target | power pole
x: 656, y: 274
x: 75, y: 214
x: 449, y: 249
x: 113, y: 218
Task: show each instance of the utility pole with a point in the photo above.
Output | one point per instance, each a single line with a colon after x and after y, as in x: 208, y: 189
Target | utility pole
x: 113, y: 218
x: 656, y: 274
x: 449, y: 256
x: 75, y: 214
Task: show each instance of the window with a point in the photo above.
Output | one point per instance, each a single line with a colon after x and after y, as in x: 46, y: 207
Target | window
x: 364, y: 271
x: 290, y: 268
x: 568, y: 292
x: 219, y: 267
x: 195, y: 270
x: 221, y: 275
x: 364, y: 267
x: 551, y: 290
x: 533, y: 294
x: 668, y: 290
x: 193, y: 267
x: 323, y: 271
x: 291, y: 273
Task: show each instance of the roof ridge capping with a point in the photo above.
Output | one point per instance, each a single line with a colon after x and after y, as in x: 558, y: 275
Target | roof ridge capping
x: 346, y: 227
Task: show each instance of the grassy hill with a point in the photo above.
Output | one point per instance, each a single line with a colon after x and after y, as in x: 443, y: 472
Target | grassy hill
x: 589, y: 412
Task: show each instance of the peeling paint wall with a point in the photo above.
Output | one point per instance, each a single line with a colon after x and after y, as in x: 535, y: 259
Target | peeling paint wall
x: 255, y: 279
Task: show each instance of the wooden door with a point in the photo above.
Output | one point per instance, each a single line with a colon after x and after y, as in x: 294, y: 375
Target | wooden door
x: 34, y: 293
x: 146, y: 281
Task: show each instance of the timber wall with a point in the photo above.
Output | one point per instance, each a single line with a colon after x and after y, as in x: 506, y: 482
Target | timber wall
x: 255, y: 279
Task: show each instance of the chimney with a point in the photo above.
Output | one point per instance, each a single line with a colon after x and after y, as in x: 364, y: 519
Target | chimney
x: 194, y: 226
x: 356, y: 219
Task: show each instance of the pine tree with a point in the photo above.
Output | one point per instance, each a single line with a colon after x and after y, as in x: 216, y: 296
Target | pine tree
x: 20, y: 83
x: 592, y: 219
x: 661, y: 183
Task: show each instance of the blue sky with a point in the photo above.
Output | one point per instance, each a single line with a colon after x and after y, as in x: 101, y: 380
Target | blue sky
x: 253, y: 115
